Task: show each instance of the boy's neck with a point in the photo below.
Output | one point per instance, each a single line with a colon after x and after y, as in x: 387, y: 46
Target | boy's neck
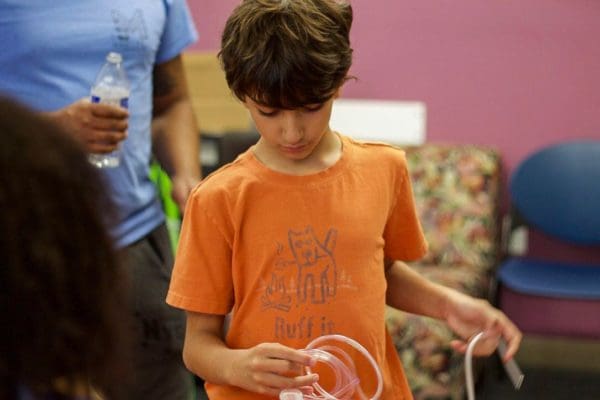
x: 325, y: 154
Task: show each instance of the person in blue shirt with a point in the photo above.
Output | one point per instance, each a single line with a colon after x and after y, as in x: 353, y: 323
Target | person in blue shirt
x: 51, y: 54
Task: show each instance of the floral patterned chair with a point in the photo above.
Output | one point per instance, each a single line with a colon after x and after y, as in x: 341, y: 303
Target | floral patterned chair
x: 456, y: 189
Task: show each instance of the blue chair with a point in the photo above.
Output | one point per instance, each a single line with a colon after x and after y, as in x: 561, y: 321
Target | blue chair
x: 556, y: 191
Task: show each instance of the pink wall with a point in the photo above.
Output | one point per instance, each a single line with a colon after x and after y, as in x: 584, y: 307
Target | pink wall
x: 513, y: 74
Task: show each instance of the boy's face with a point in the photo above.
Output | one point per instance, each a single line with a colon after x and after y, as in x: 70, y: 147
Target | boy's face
x: 291, y: 134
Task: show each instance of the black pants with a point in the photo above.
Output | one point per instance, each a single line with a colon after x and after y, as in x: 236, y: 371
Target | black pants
x: 158, y: 370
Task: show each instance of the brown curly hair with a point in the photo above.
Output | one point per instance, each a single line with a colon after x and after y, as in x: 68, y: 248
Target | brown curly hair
x: 62, y: 299
x: 287, y: 53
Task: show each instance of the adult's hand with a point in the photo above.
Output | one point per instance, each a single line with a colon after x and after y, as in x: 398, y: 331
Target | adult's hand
x: 100, y: 127
x: 181, y: 189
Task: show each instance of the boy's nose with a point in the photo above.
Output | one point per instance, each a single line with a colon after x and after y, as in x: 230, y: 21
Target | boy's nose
x: 292, y: 131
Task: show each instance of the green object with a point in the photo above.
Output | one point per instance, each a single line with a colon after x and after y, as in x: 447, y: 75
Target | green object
x: 171, y: 210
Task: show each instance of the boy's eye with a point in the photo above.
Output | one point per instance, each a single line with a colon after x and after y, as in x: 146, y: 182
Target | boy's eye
x: 267, y: 113
x: 313, y: 107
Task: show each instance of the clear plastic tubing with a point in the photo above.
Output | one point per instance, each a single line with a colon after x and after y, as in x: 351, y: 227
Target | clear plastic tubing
x: 512, y: 369
x: 346, y: 380
x: 469, y: 366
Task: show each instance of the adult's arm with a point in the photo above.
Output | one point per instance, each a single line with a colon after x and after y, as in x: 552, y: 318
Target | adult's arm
x: 175, y: 134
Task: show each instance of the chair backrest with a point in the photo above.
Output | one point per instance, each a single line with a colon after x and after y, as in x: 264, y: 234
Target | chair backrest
x: 456, y: 189
x: 557, y: 191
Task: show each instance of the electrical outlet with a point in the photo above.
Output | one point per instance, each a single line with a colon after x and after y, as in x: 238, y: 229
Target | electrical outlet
x: 518, y: 243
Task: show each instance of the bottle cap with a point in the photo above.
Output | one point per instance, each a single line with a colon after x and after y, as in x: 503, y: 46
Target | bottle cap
x: 114, y: 57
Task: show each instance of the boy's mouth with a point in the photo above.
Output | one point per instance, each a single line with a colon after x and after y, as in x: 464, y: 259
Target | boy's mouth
x: 294, y: 149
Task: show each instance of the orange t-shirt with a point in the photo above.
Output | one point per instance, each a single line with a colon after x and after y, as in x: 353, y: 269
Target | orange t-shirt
x: 298, y: 257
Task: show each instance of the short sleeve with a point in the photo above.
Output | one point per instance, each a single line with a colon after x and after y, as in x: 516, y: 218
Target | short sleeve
x: 179, y: 31
x: 201, y: 279
x: 403, y: 234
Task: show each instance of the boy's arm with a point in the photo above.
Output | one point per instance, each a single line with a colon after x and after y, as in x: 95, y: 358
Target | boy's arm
x: 266, y: 368
x: 465, y: 315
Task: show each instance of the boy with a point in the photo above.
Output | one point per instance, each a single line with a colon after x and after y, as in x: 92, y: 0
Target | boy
x: 297, y: 237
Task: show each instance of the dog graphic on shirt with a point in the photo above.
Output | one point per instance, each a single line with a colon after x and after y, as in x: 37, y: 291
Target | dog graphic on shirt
x: 315, y: 262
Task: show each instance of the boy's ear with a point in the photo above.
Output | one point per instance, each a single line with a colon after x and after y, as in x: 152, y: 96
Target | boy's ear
x: 245, y: 102
x: 337, y: 93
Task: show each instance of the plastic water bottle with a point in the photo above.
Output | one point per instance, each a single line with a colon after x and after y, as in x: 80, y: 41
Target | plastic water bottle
x: 111, y: 87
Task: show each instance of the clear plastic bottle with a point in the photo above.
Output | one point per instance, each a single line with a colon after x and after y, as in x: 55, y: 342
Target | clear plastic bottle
x: 111, y: 87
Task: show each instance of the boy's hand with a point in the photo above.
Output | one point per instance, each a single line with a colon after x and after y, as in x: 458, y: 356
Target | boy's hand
x: 467, y: 316
x: 268, y: 368
x: 100, y: 127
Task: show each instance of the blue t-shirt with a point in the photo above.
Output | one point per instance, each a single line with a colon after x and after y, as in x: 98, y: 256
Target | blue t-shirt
x: 51, y: 54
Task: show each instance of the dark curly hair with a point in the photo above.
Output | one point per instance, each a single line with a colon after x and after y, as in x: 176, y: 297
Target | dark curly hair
x: 287, y: 53
x: 62, y: 294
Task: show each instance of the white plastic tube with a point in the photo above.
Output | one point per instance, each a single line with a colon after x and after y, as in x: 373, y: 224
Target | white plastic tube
x: 511, y: 367
x: 469, y: 366
x: 347, y: 383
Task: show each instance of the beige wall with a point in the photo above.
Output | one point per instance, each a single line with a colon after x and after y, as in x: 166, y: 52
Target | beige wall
x: 217, y: 110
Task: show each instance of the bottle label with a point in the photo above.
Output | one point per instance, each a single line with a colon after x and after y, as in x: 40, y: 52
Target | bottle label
x: 123, y: 101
